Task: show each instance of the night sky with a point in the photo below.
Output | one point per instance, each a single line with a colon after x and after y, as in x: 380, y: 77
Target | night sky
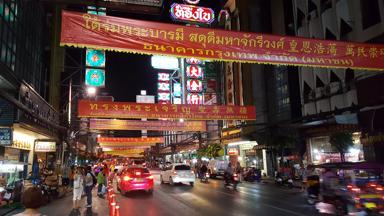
x: 127, y: 74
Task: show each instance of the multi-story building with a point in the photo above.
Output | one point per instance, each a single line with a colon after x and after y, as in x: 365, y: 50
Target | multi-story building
x: 29, y: 125
x: 333, y: 100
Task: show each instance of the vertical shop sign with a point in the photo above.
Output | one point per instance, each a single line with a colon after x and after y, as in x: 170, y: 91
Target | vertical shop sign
x: 5, y: 136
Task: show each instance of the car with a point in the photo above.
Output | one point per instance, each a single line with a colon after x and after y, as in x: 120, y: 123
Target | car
x: 217, y: 167
x: 134, y: 179
x: 177, y: 173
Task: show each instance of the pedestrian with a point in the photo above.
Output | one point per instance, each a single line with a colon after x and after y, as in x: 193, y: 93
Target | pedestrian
x: 304, y: 178
x: 100, y: 182
x: 89, y: 184
x: 71, y: 175
x: 77, y: 188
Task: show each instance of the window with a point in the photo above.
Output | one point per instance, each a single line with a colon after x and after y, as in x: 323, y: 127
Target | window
x: 182, y: 167
x: 370, y: 12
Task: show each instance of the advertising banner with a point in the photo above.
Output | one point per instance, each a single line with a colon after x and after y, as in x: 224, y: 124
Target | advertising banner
x: 153, y: 38
x: 115, y: 124
x: 105, y: 109
x: 132, y: 140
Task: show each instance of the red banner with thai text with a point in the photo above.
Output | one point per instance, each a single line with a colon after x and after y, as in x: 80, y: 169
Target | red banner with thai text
x: 133, y: 140
x: 105, y: 109
x: 153, y: 38
x: 117, y: 124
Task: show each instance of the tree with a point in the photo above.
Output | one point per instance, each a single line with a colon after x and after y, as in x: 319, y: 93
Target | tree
x: 213, y: 150
x: 341, y: 142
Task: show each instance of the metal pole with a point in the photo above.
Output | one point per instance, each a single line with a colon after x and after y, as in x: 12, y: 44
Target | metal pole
x: 70, y: 103
x: 182, y: 71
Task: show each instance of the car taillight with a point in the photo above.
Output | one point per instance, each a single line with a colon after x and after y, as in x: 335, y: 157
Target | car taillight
x: 355, y: 189
x: 379, y: 188
x: 207, y: 174
x: 137, y: 173
x: 174, y: 173
x: 126, y: 178
x: 149, y: 177
x: 357, y: 198
x: 235, y: 175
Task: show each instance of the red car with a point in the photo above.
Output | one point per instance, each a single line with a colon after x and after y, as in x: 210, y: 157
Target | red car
x: 135, y: 178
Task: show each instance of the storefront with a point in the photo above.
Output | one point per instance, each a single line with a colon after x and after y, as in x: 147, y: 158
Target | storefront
x: 237, y: 152
x: 321, y: 151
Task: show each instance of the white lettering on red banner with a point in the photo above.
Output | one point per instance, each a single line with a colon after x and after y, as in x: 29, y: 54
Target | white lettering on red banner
x: 194, y: 71
x: 194, y: 85
x: 195, y: 98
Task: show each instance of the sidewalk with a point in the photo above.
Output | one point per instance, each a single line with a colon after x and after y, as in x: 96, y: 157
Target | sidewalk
x: 63, y: 207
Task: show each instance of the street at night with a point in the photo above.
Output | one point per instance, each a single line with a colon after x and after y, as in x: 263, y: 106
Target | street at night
x: 191, y: 107
x: 213, y: 199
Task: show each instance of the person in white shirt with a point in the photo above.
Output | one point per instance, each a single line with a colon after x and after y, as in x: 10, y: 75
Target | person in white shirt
x: 77, y: 188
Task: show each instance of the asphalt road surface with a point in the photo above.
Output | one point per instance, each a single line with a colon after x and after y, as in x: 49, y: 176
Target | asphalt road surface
x: 213, y: 199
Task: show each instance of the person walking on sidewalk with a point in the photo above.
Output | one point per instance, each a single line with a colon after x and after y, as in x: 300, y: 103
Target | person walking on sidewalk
x: 89, y: 184
x: 100, y: 182
x: 77, y: 188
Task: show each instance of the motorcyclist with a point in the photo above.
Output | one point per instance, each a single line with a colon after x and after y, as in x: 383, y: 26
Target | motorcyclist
x: 203, y: 170
x: 228, y: 173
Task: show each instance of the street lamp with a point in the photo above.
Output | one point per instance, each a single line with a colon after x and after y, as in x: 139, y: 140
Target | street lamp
x: 91, y: 91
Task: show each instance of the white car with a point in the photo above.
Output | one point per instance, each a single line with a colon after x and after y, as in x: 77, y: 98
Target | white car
x: 177, y: 173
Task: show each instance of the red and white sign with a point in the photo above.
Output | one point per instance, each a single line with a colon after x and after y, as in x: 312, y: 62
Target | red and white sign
x: 194, y: 85
x: 194, y: 71
x: 163, y: 96
x: 190, y: 13
x: 195, y: 98
x: 192, y: 1
x: 163, y: 77
x: 194, y: 61
x: 233, y: 151
x: 163, y: 86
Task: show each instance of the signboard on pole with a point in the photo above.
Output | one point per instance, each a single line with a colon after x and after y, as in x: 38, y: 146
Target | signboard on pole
x: 94, y: 77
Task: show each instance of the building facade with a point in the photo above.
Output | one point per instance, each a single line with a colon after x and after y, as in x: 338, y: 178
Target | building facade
x: 29, y: 124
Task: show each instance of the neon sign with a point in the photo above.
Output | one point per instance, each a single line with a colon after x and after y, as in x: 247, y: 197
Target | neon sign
x: 192, y: 1
x: 194, y: 71
x: 163, y: 77
x: 194, y: 85
x: 163, y: 86
x: 195, y: 98
x: 190, y: 13
x: 194, y: 61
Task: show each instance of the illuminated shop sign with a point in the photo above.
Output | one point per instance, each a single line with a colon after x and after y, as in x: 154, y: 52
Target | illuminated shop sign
x: 194, y: 85
x: 233, y: 151
x: 95, y: 58
x: 194, y: 71
x: 189, y: 13
x: 95, y: 77
x: 195, y: 98
x: 194, y: 61
x: 192, y: 1
x: 177, y: 100
x: 45, y: 147
x: 165, y: 62
x: 177, y: 89
x: 163, y: 86
x: 163, y: 77
x: 5, y: 136
x: 162, y: 96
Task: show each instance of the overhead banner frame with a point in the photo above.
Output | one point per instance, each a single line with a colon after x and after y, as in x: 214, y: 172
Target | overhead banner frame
x: 153, y: 38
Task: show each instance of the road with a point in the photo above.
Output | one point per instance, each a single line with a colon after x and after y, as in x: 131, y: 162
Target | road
x: 213, y: 199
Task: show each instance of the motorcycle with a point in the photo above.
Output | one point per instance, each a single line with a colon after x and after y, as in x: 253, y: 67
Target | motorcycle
x: 284, y: 182
x: 204, y: 177
x: 231, y: 181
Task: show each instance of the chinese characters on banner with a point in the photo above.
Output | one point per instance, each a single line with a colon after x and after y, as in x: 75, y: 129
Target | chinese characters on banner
x: 106, y: 109
x: 130, y: 140
x: 153, y: 38
x: 116, y: 124
x: 194, y: 73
